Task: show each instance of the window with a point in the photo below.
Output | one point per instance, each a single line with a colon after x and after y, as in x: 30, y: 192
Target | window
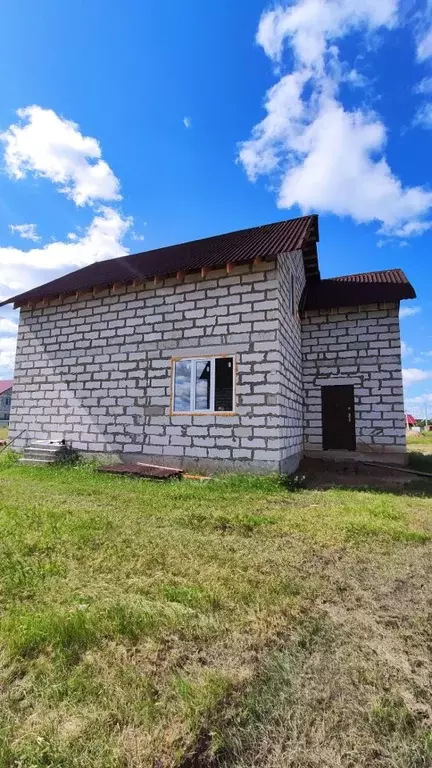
x: 203, y: 384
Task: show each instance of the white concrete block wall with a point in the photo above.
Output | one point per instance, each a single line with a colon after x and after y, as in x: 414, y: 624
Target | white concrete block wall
x: 97, y: 371
x: 290, y: 268
x: 359, y: 346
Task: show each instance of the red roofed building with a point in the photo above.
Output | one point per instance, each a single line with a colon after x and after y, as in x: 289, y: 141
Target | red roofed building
x: 410, y: 421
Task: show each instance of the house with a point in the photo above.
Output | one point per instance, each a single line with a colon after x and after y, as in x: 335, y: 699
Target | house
x: 229, y: 352
x: 410, y: 421
x: 5, y: 399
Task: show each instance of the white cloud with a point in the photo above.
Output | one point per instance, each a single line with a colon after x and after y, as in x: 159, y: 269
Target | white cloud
x: 47, y: 145
x: 8, y: 334
x: 337, y: 171
x: 103, y: 239
x: 7, y: 355
x: 356, y: 79
x: 424, y: 86
x: 409, y: 229
x: 423, y: 116
x: 8, y: 326
x: 393, y: 242
x: 405, y: 349
x: 310, y: 24
x: 187, y: 122
x: 423, y: 31
x: 424, y: 47
x: 420, y: 399
x: 26, y: 231
x: 409, y: 311
x: 414, y: 375
x: 137, y: 236
x: 418, y: 406
x: 327, y: 158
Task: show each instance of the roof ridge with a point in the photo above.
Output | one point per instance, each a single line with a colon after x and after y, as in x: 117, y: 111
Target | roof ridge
x: 221, y: 234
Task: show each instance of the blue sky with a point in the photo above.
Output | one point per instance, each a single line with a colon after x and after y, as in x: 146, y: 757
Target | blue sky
x: 125, y: 127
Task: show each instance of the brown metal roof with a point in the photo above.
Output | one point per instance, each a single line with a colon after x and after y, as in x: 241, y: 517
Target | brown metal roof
x: 352, y: 290
x: 240, y: 247
x: 143, y: 470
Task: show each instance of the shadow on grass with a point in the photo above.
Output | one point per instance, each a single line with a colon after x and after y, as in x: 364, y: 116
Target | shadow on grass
x: 359, y: 477
x: 421, y: 488
x: 421, y: 462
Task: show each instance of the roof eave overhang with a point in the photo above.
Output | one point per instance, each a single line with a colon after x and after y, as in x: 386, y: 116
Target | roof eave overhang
x: 383, y: 297
x: 310, y: 261
x: 31, y: 299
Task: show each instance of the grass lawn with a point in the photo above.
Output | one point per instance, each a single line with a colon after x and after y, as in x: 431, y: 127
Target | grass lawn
x: 414, y: 438
x: 226, y: 625
x: 3, y: 433
x: 420, y: 443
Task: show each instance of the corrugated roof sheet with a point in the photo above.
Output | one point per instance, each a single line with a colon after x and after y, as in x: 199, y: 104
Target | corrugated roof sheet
x: 352, y: 290
x: 5, y: 385
x: 240, y: 247
x: 394, y: 276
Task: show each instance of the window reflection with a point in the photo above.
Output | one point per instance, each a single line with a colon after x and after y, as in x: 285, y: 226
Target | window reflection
x: 202, y: 385
x: 182, y: 385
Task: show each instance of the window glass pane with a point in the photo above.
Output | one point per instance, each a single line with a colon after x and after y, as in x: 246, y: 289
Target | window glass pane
x: 202, y: 385
x: 224, y: 384
x: 182, y: 385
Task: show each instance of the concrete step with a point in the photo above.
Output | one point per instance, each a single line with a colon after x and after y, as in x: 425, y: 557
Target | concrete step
x: 41, y: 452
x: 43, y: 455
x: 48, y: 451
x: 47, y: 444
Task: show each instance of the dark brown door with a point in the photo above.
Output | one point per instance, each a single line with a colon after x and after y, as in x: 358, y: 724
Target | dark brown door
x: 338, y: 418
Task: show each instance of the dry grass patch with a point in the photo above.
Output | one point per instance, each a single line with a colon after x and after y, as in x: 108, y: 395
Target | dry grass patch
x: 234, y: 623
x: 351, y: 688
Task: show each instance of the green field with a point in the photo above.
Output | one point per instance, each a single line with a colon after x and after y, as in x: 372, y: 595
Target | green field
x: 3, y: 433
x: 233, y: 623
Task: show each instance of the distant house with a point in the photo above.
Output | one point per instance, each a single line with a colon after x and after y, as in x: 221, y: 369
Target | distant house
x: 410, y: 421
x: 227, y: 352
x: 5, y: 399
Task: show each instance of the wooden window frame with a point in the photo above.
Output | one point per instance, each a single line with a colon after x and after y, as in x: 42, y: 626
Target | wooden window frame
x: 194, y: 358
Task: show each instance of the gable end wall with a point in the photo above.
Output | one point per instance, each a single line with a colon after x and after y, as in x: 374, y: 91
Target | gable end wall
x: 97, y: 371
